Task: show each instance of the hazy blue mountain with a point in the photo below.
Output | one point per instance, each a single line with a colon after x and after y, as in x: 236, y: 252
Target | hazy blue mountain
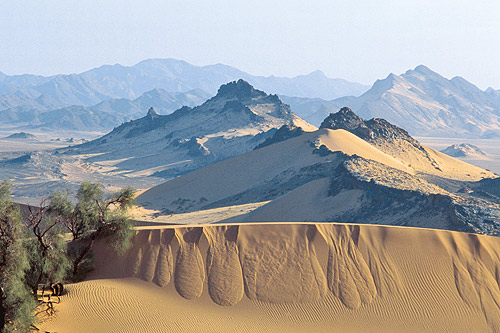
x: 12, y: 83
x: 495, y: 94
x: 464, y: 150
x: 117, y: 81
x: 30, y: 99
x: 427, y: 104
x: 22, y: 136
x: 100, y: 117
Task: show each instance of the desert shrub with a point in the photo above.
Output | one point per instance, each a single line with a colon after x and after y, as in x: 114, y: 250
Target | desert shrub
x: 16, y: 301
x: 94, y: 216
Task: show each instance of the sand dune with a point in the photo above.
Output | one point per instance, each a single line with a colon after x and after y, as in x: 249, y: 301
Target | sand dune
x: 232, y: 181
x: 289, y: 277
x: 229, y: 177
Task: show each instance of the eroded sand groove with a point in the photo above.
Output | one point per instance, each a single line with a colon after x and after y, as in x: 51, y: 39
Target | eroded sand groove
x: 477, y: 274
x: 225, y: 278
x: 189, y: 272
x: 280, y: 265
x: 150, y: 257
x: 349, y: 277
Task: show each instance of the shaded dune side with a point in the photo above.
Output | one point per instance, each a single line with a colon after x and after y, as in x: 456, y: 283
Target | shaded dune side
x: 150, y: 257
x: 165, y: 265
x: 386, y: 275
x: 225, y: 278
x: 189, y: 272
x: 476, y: 271
x: 280, y: 264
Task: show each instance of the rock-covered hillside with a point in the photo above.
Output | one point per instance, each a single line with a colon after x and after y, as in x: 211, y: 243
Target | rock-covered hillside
x: 233, y: 122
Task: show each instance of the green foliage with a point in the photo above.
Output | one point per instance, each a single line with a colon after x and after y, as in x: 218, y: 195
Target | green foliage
x: 85, y: 266
x: 95, y: 215
x: 47, y: 256
x: 16, y: 302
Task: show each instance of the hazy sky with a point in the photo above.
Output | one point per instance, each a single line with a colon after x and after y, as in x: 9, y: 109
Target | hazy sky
x: 357, y: 40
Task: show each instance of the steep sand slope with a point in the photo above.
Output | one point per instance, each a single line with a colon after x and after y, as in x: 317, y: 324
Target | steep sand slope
x: 289, y: 277
x: 431, y: 161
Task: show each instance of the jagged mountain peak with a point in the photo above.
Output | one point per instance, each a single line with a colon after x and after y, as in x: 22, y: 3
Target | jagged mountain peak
x: 428, y: 104
x: 375, y: 128
x: 345, y: 118
x: 384, y: 84
x: 152, y: 113
x: 316, y: 74
x: 240, y: 89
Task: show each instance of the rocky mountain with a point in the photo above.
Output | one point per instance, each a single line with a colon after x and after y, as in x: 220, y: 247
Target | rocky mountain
x: 464, y: 150
x: 427, y: 104
x: 101, y: 117
x: 389, y: 138
x: 22, y: 136
x: 285, y: 132
x: 233, y: 122
x: 350, y: 170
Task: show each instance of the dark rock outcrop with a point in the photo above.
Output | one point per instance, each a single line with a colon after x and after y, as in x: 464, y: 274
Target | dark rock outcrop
x: 366, y: 129
x: 285, y: 132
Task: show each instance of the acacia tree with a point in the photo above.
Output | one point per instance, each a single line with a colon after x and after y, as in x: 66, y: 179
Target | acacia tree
x: 95, y: 215
x: 16, y: 301
x: 46, y: 247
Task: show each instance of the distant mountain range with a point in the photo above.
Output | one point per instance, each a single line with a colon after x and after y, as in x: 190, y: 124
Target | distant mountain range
x: 117, y: 81
x: 420, y: 100
x: 105, y: 97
